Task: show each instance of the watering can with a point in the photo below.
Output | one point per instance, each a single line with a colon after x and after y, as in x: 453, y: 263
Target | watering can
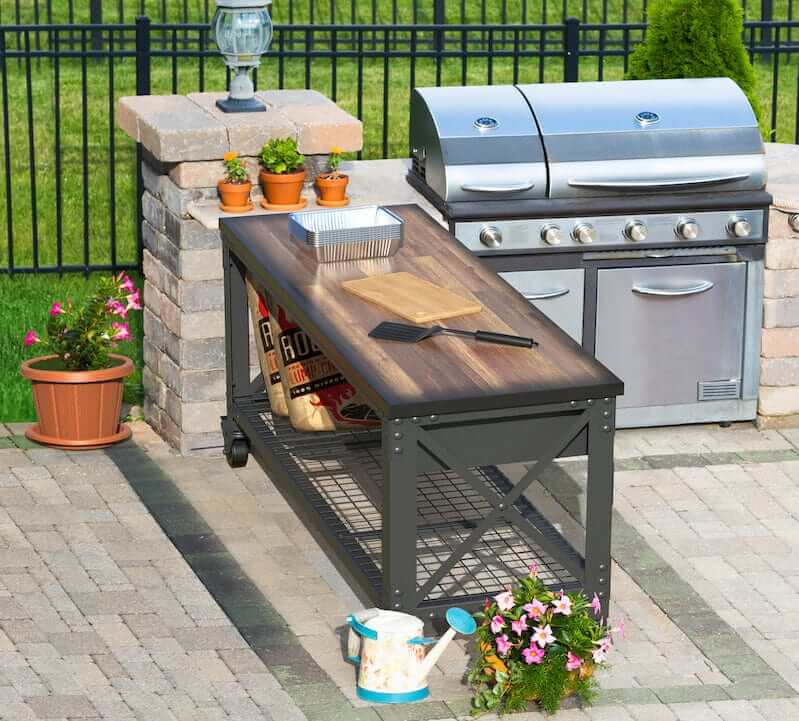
x: 389, y: 649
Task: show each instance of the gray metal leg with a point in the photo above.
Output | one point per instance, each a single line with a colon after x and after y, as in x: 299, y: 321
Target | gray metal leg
x: 236, y: 328
x: 599, y: 500
x: 399, y: 513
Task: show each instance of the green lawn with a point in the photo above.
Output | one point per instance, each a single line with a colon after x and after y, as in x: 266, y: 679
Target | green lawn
x: 97, y: 205
x: 24, y: 302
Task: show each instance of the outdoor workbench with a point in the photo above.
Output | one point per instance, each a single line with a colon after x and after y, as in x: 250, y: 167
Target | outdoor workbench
x: 417, y: 510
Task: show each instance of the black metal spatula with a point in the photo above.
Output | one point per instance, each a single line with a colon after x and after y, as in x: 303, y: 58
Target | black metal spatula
x: 404, y: 333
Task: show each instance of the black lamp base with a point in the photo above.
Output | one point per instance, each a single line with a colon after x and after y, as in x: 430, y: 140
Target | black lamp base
x: 236, y: 105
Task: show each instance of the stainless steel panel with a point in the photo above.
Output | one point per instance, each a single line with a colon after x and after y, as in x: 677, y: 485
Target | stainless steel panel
x: 556, y: 293
x: 524, y: 235
x: 752, y: 330
x: 495, y: 182
x: 671, y: 415
x: 662, y: 346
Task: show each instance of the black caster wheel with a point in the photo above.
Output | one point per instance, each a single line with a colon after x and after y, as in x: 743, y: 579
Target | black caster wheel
x: 238, y: 453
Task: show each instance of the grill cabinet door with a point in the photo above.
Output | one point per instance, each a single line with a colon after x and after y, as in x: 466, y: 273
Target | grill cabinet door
x: 672, y: 333
x: 558, y: 294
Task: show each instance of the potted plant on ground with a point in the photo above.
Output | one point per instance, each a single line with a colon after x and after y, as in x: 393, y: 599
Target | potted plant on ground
x: 537, y: 645
x: 333, y: 184
x: 282, y: 175
x: 234, y: 189
x: 77, y: 386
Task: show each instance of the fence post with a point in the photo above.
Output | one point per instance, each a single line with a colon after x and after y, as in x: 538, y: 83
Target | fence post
x: 439, y: 18
x: 571, y: 61
x: 96, y: 18
x: 142, y: 88
x: 766, y: 15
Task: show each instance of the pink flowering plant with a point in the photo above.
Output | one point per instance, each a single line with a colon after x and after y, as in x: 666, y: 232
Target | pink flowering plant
x: 535, y: 644
x: 83, y: 335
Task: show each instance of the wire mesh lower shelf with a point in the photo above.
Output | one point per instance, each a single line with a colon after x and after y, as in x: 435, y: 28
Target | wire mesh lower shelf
x: 339, y: 476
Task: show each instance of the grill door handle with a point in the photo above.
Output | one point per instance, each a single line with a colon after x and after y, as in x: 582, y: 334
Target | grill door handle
x: 546, y: 294
x: 529, y: 185
x: 702, y: 287
x: 656, y: 184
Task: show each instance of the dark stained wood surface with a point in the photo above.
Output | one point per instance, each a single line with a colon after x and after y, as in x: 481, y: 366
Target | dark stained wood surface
x: 442, y: 374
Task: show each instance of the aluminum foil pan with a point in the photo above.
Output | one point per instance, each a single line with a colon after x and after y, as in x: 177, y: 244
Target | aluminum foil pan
x: 349, y: 234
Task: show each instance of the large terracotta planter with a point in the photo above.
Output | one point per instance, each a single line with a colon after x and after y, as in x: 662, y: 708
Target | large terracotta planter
x: 235, y: 196
x: 77, y: 409
x: 282, y: 188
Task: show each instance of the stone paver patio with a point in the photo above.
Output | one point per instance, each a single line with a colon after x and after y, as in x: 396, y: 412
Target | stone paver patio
x: 135, y: 583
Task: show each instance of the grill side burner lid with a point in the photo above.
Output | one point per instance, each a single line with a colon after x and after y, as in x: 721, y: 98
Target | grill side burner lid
x: 477, y: 143
x: 648, y: 136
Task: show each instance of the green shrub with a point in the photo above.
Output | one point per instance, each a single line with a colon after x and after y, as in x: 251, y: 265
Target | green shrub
x: 695, y: 39
x: 280, y: 155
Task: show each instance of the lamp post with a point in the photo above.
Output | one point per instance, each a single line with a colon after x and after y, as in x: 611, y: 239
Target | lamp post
x: 243, y: 31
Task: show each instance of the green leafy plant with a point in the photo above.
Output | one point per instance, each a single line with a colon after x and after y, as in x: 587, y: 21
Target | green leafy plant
x: 83, y: 335
x: 235, y: 170
x: 280, y: 155
x: 334, y: 162
x: 695, y: 39
x: 537, y: 645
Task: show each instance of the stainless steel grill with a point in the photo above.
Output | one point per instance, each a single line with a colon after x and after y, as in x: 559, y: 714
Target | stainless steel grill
x: 633, y: 214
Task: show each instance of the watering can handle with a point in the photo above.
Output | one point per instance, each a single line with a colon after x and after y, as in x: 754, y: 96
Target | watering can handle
x: 358, y: 629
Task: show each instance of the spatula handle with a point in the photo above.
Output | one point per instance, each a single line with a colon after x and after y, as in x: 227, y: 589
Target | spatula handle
x: 503, y: 339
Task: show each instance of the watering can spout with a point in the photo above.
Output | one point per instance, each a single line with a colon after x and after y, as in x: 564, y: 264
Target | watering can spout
x: 459, y: 621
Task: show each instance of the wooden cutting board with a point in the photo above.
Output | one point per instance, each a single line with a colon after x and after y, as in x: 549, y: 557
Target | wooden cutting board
x: 410, y: 297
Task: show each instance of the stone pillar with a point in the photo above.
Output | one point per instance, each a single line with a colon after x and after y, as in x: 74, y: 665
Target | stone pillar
x: 184, y: 139
x: 778, y: 404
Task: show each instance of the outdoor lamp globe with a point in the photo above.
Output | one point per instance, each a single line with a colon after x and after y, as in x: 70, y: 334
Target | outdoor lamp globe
x: 242, y: 30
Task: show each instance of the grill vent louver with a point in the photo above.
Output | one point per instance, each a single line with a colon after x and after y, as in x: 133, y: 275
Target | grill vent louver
x: 719, y: 390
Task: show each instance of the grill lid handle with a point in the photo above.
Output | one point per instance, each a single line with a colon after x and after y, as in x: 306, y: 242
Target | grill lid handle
x: 498, y: 188
x: 657, y: 184
x: 700, y: 287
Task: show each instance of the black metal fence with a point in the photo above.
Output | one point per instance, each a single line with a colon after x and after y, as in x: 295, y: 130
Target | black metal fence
x: 69, y: 199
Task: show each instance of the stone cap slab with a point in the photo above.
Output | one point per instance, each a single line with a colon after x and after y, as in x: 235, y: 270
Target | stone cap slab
x: 783, y: 175
x: 177, y: 128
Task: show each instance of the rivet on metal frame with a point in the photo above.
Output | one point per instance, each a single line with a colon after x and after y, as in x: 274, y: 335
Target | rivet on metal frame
x: 398, y: 421
x: 397, y: 436
x: 590, y: 402
x: 414, y: 420
x: 398, y: 450
x: 601, y: 594
x: 602, y: 580
x: 398, y: 606
x: 606, y: 428
x: 434, y: 418
x: 601, y: 566
x: 607, y: 400
x: 606, y: 414
x: 793, y: 221
x: 431, y: 615
x: 397, y: 592
x: 572, y: 403
x: 501, y: 506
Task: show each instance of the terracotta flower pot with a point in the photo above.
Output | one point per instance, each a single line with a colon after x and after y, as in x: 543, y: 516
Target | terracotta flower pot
x: 234, y: 195
x: 332, y: 189
x: 282, y: 188
x: 77, y: 409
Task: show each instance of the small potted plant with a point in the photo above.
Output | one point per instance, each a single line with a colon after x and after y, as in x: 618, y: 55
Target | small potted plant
x: 536, y: 645
x: 282, y: 175
x: 77, y: 386
x: 333, y: 184
x: 234, y: 189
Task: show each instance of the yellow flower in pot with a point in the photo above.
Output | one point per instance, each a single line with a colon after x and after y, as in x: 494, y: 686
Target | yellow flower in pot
x: 282, y: 175
x: 234, y: 188
x: 333, y: 184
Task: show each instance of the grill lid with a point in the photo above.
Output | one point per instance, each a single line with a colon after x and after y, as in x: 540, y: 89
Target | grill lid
x: 635, y: 136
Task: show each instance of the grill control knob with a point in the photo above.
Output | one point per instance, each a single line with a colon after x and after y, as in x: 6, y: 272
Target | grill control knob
x: 636, y: 231
x: 551, y: 235
x: 584, y: 233
x: 740, y: 227
x: 491, y: 237
x: 688, y: 229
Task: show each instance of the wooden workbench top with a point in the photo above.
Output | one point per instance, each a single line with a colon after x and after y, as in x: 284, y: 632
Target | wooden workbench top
x: 438, y: 375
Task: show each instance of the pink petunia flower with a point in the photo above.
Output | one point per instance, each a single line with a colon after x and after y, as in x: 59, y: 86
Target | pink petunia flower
x: 533, y: 655
x: 505, y: 600
x: 604, y: 644
x: 573, y: 662
x: 31, y: 338
x: 543, y: 635
x: 56, y: 309
x: 596, y: 605
x: 497, y: 624
x: 122, y: 331
x: 115, y: 307
x: 125, y: 283
x: 503, y: 644
x: 562, y: 605
x: 599, y: 655
x: 535, y: 609
x: 520, y: 626
x: 134, y: 300
x: 533, y: 569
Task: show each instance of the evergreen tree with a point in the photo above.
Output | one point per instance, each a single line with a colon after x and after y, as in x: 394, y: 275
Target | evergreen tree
x: 695, y: 39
